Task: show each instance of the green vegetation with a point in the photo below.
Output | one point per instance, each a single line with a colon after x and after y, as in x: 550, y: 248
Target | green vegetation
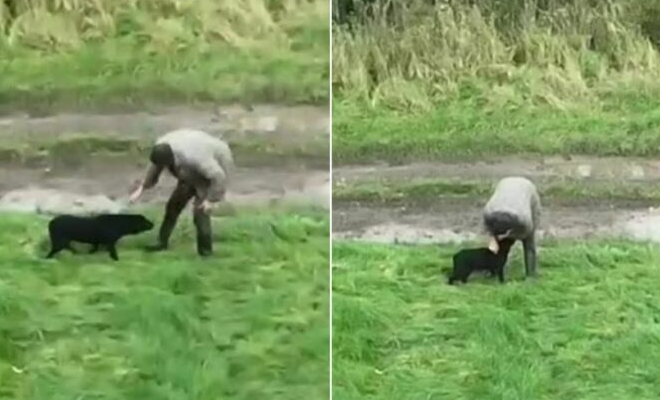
x: 250, y: 323
x: 497, y: 78
x: 121, y: 53
x: 557, y: 192
x: 252, y: 152
x: 465, y: 130
x: 470, y: 80
x: 588, y: 329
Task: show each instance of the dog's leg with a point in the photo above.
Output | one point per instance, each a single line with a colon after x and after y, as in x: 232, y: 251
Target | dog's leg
x: 54, y: 250
x: 94, y: 249
x: 112, y: 249
x: 58, y: 245
x: 500, y: 274
x: 70, y: 248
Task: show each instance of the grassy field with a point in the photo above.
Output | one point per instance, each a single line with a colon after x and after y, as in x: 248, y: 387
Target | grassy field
x: 250, y: 323
x: 109, y: 53
x: 587, y: 329
x: 496, y: 79
x: 463, y: 129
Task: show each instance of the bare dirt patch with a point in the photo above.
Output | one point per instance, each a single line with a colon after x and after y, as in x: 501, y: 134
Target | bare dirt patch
x: 78, y: 175
x: 588, y: 168
x: 451, y: 221
x: 447, y: 220
x: 115, y: 180
x: 282, y: 123
x: 260, y: 135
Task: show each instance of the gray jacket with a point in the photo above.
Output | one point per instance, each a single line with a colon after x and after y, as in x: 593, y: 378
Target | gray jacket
x: 517, y: 196
x: 200, y: 160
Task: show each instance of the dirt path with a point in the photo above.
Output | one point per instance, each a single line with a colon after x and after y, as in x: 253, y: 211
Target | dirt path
x: 285, y: 124
x: 113, y: 176
x: 451, y: 220
x: 249, y: 186
x: 606, y: 168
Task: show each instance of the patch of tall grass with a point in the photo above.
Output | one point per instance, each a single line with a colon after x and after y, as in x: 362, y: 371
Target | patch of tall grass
x: 163, y: 26
x: 85, y: 51
x: 412, y: 55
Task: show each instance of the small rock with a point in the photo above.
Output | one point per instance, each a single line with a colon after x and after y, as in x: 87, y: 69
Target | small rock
x: 637, y: 172
x: 267, y: 124
x: 584, y: 171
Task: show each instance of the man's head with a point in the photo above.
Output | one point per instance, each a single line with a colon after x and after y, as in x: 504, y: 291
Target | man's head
x: 162, y: 155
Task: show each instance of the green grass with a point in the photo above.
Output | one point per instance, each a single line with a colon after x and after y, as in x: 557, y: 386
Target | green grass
x: 471, y: 80
x: 122, y: 54
x: 588, y: 329
x: 618, y: 124
x: 426, y: 191
x: 250, y: 323
x: 117, y: 75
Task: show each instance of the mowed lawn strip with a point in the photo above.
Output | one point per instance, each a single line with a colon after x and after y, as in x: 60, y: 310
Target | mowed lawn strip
x: 588, y: 329
x: 464, y: 130
x: 251, y: 322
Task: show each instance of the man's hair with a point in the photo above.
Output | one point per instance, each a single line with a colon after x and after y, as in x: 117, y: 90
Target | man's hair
x: 162, y: 155
x: 502, y: 223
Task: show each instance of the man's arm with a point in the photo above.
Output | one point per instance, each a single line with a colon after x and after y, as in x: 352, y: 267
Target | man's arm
x: 150, y: 180
x: 151, y: 177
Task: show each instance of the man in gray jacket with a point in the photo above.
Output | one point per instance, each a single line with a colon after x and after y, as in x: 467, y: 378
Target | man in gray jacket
x: 514, y: 211
x: 202, y: 164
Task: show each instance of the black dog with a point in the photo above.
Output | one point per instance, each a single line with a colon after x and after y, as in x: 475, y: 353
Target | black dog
x: 467, y: 261
x: 101, y: 230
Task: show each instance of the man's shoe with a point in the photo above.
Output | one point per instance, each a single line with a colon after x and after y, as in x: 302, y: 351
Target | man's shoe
x: 156, y: 247
x: 205, y: 253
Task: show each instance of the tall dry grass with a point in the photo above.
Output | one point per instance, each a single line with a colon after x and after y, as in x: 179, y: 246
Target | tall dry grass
x: 526, y: 51
x: 163, y: 25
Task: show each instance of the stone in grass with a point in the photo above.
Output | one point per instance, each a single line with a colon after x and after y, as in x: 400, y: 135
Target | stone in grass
x: 53, y: 202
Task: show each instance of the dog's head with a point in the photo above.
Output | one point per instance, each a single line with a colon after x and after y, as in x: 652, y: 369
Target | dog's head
x: 138, y: 224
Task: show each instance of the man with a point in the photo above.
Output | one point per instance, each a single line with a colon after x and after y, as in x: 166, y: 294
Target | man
x: 201, y: 163
x: 514, y: 211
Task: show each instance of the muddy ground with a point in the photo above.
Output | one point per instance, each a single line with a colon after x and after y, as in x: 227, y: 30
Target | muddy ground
x: 444, y: 220
x: 456, y: 220
x: 114, y: 176
x: 286, y: 124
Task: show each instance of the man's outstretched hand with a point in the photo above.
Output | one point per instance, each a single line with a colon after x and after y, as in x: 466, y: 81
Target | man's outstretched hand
x: 135, y: 195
